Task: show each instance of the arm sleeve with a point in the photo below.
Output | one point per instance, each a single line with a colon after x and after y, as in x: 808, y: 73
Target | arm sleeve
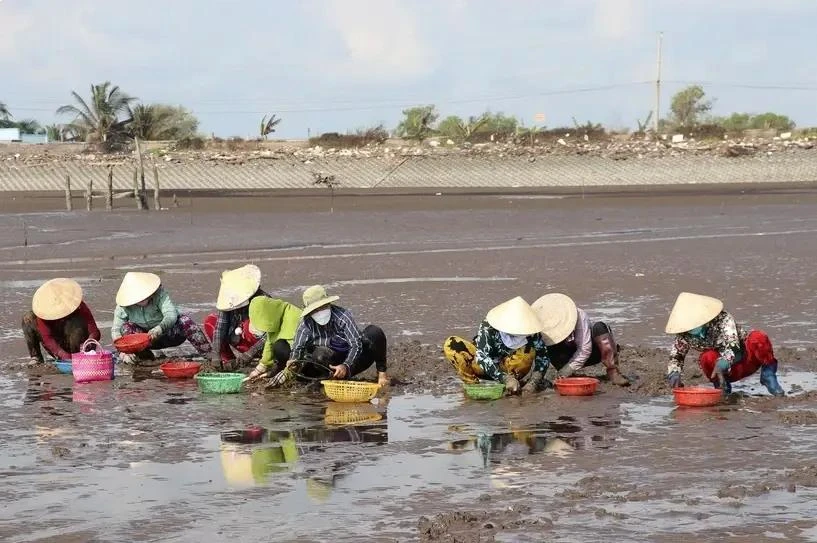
x: 258, y: 347
x: 541, y: 362
x: 584, y: 343
x: 299, y: 343
x: 221, y: 331
x: 677, y: 355
x: 120, y: 317
x: 266, y: 356
x: 170, y: 314
x: 484, y: 358
x: 728, y: 342
x: 50, y: 343
x: 289, y: 323
x: 354, y: 338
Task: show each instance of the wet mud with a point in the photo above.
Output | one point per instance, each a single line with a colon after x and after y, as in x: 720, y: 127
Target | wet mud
x: 144, y: 458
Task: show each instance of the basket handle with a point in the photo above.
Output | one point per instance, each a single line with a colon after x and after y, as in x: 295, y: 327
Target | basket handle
x: 90, y: 341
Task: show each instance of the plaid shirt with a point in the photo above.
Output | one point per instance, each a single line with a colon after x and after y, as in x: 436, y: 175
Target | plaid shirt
x: 341, y: 326
x: 228, y: 321
x: 722, y: 334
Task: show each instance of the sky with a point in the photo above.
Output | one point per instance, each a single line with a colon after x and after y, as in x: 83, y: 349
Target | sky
x: 339, y: 65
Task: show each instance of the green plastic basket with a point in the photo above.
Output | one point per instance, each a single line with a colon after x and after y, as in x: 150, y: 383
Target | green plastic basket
x: 220, y: 383
x: 486, y: 390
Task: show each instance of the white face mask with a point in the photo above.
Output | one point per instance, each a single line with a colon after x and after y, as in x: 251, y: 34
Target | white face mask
x: 512, y: 341
x: 322, y: 316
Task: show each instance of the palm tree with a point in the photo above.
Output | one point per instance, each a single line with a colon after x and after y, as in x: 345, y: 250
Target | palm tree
x: 103, y: 119
x: 4, y: 112
x: 268, y: 125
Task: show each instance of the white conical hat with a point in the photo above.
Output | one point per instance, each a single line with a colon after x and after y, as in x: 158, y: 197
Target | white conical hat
x: 56, y: 298
x: 558, y: 315
x: 691, y: 311
x: 237, y: 286
x: 514, y: 317
x: 137, y: 286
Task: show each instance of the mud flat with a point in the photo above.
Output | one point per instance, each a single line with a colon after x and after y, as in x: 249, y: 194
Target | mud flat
x: 143, y: 459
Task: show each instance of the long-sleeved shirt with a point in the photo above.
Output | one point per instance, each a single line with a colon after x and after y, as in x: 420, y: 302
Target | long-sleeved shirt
x: 583, y: 339
x: 722, y: 334
x: 160, y: 311
x: 341, y: 326
x: 278, y: 320
x: 491, y: 350
x: 48, y: 329
x: 228, y: 321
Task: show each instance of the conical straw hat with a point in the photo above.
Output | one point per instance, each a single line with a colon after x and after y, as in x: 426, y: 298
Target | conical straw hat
x: 137, y: 286
x: 558, y: 315
x: 56, y: 298
x: 691, y: 311
x: 237, y: 286
x: 514, y: 317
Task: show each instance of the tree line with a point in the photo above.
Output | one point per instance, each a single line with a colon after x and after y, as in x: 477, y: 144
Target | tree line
x: 111, y: 118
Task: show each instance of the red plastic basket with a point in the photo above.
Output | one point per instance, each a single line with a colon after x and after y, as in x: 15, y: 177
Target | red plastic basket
x: 180, y: 369
x: 697, y: 396
x: 132, y: 343
x: 577, y: 386
x: 89, y: 367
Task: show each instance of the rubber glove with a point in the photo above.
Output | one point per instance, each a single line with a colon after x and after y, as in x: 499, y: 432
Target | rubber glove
x: 533, y: 383
x: 259, y: 371
x: 154, y: 333
x: 511, y: 384
x: 674, y: 380
x: 282, y: 377
x: 566, y: 371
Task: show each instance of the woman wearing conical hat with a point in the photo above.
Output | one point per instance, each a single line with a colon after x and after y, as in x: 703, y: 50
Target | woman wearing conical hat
x: 229, y: 328
x: 573, y: 341
x: 729, y: 352
x: 143, y: 305
x: 507, y: 345
x: 329, y: 344
x: 59, y: 321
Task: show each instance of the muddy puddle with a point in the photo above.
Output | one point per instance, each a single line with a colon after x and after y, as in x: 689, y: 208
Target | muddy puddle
x: 143, y: 458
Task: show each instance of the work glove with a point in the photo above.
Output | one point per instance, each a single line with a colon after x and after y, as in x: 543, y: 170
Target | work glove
x: 533, y: 383
x: 566, y: 371
x: 281, y: 378
x: 511, y: 383
x: 674, y: 380
x: 127, y: 358
x: 154, y: 333
x: 259, y: 371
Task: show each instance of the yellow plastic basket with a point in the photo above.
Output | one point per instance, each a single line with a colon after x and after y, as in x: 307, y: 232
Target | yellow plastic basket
x: 349, y: 391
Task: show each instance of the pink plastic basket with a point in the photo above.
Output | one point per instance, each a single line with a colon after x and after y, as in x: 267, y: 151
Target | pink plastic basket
x: 92, y: 367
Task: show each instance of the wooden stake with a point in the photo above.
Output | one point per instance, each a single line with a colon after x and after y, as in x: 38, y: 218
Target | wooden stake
x: 109, y: 195
x: 140, y: 205
x: 142, y: 193
x: 157, y: 204
x: 68, y: 204
x: 89, y: 196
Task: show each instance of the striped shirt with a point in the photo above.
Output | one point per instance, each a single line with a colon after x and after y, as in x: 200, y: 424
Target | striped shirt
x: 228, y: 321
x: 341, y: 326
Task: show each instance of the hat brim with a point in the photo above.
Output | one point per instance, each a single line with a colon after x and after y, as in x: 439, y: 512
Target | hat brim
x: 691, y: 311
x: 558, y: 314
x: 237, y: 286
x: 514, y: 317
x: 137, y: 288
x: 318, y: 304
x: 56, y: 299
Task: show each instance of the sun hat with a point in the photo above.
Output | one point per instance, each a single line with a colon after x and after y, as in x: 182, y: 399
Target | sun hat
x: 558, y: 315
x: 691, y: 311
x: 237, y: 286
x: 514, y: 317
x: 56, y: 299
x: 315, y: 297
x: 137, y: 286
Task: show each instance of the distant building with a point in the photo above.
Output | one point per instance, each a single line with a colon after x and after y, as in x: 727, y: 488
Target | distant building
x: 9, y: 135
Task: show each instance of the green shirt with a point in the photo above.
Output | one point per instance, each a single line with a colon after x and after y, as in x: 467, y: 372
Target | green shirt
x: 277, y: 318
x: 160, y: 311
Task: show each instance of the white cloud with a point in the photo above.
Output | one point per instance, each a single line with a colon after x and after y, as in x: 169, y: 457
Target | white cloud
x: 617, y: 19
x: 381, y: 38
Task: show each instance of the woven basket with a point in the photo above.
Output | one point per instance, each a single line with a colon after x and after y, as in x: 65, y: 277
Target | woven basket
x: 486, y: 390
x: 219, y: 383
x: 350, y: 415
x: 349, y: 391
x: 88, y: 367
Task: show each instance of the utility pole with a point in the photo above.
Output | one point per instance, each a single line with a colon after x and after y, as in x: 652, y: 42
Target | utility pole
x: 657, y: 115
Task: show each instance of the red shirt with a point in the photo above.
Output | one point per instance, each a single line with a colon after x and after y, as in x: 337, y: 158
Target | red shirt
x: 47, y: 329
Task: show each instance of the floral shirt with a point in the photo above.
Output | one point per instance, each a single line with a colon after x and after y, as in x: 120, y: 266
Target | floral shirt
x: 722, y: 334
x: 491, y: 350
